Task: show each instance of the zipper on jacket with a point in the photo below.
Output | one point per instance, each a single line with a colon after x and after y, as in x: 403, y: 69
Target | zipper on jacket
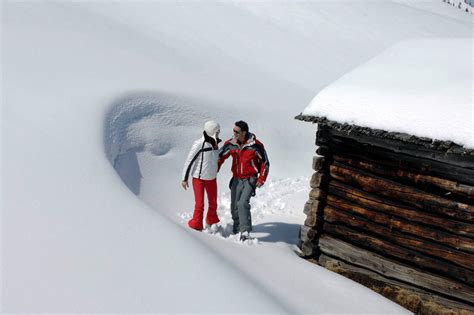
x: 202, y: 158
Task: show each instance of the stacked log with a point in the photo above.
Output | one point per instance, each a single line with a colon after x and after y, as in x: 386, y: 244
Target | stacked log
x: 394, y: 213
x: 312, y: 228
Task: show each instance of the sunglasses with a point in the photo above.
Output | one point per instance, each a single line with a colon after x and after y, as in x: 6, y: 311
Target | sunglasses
x: 236, y: 131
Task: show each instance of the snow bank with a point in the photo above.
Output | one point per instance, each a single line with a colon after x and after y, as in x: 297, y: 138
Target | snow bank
x: 89, y: 86
x: 421, y: 87
x: 74, y: 238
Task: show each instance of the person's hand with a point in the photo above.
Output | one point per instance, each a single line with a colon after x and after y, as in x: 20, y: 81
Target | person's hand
x: 185, y: 185
x: 259, y: 184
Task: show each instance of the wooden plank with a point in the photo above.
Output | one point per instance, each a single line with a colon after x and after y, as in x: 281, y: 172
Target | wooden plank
x: 374, y: 202
x: 396, y: 191
x: 407, y: 256
x: 309, y: 249
x: 459, y: 258
x: 417, y: 179
x: 413, y: 298
x: 391, y: 269
x: 353, y: 149
x: 462, y: 160
x: 307, y: 233
x: 313, y: 206
x: 404, y: 226
x: 317, y: 194
x: 313, y: 219
x: 318, y: 180
x: 319, y: 162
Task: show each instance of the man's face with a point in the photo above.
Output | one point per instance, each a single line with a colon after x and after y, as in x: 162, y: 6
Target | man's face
x: 239, y: 134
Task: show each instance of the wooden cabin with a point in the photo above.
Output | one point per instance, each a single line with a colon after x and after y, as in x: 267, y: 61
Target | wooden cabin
x: 394, y: 212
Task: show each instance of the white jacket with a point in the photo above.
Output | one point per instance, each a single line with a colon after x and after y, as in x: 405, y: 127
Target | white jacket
x: 202, y: 161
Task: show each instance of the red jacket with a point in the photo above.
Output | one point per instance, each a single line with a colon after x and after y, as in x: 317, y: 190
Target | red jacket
x: 249, y: 159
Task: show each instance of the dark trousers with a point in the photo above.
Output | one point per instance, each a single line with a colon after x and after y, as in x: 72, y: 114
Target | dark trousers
x: 241, y: 190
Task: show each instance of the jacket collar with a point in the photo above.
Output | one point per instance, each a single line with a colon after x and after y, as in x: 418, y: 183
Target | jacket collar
x: 249, y: 141
x: 211, y: 140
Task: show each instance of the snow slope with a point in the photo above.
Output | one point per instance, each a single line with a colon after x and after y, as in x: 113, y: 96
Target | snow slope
x: 100, y: 103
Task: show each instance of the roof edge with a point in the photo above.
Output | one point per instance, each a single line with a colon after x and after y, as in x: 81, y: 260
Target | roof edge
x: 440, y: 145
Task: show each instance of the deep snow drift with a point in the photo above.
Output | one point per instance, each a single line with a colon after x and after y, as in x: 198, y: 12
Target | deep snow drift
x: 101, y: 102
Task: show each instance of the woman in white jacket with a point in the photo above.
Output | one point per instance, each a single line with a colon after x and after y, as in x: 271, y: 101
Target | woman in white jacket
x: 201, y: 164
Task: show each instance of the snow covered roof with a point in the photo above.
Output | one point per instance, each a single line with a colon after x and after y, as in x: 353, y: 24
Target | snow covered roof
x: 419, y: 87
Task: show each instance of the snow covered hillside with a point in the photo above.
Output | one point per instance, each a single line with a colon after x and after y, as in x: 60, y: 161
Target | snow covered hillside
x: 100, y: 104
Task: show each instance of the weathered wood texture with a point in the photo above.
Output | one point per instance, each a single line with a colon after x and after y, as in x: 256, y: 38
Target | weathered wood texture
x: 317, y: 194
x: 313, y: 206
x: 394, y: 209
x: 406, y: 194
x: 407, y: 256
x: 450, y: 186
x: 312, y: 228
x: 392, y: 269
x: 401, y: 145
x: 319, y: 162
x: 308, y: 236
x: 308, y: 233
x: 438, y: 145
x: 413, y: 298
x: 404, y: 226
x: 318, y: 180
x: 351, y: 148
x: 459, y: 258
x: 371, y: 201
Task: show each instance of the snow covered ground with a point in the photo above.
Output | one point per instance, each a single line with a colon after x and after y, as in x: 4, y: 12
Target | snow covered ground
x: 100, y: 104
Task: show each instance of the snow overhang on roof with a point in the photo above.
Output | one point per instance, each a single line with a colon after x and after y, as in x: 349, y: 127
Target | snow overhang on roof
x: 418, y: 90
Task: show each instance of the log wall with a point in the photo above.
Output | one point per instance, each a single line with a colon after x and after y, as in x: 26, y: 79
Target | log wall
x: 394, y: 215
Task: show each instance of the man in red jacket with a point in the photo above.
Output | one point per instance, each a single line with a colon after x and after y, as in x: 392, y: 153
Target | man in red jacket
x: 250, y: 167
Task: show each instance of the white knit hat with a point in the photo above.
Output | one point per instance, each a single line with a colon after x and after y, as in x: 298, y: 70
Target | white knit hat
x: 211, y: 128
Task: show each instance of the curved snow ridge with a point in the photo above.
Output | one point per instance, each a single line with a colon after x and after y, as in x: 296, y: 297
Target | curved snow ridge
x: 145, y: 121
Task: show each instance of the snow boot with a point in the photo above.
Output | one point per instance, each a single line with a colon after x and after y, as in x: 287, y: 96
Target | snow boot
x: 244, y: 236
x: 196, y: 221
x: 212, y: 217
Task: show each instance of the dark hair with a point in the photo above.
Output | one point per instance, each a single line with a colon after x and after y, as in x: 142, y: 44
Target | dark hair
x: 242, y: 125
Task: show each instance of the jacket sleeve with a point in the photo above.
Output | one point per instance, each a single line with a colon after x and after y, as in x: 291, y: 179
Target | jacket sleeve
x: 264, y: 163
x: 190, y: 159
x: 223, y: 155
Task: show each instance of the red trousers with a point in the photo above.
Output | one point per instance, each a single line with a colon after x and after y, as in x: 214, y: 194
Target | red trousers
x: 199, y: 186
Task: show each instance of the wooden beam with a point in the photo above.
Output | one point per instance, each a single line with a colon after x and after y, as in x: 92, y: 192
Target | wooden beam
x: 417, y: 179
x: 317, y: 194
x: 404, y: 147
x: 313, y: 206
x: 404, y: 226
x: 380, y: 204
x: 461, y: 259
x: 318, y: 180
x: 413, y: 298
x: 309, y: 249
x: 307, y: 233
x: 353, y: 149
x: 391, y: 269
x: 313, y: 219
x: 407, y: 256
x: 319, y: 162
x: 396, y: 191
